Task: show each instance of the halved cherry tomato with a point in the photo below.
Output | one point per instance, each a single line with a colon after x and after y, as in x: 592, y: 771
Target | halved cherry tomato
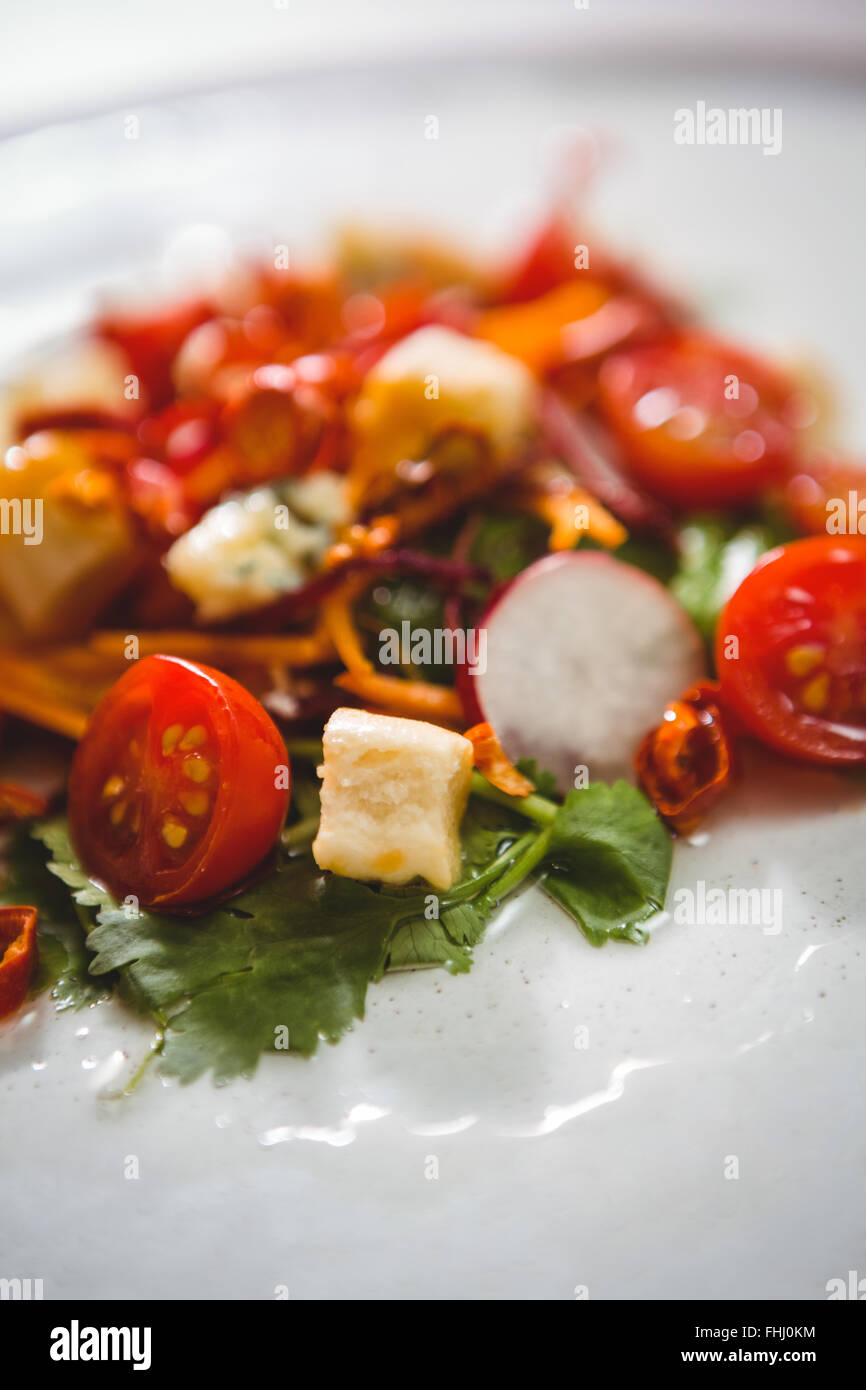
x: 791, y: 650
x: 827, y: 497
x: 151, y: 341
x: 275, y: 424
x: 700, y: 422
x: 181, y: 434
x: 687, y: 762
x: 214, y: 356
x: 309, y: 304
x: 176, y: 790
x: 17, y: 956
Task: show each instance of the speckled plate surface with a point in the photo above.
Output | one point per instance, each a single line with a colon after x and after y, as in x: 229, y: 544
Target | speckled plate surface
x: 683, y: 1120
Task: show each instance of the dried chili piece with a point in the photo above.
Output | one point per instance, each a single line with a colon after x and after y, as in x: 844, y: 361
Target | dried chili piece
x: 686, y: 763
x: 18, y: 958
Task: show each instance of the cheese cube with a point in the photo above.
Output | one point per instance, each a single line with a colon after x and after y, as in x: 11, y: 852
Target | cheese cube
x: 393, y: 794
x: 67, y: 547
x: 436, y: 379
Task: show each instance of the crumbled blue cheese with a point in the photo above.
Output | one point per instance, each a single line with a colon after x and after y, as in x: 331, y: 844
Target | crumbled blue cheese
x: 253, y: 547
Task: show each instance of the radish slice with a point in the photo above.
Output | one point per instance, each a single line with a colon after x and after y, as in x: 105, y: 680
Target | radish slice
x: 583, y: 653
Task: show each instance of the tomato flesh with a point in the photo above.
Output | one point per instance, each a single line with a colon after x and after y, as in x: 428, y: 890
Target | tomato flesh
x: 176, y: 790
x: 700, y: 423
x: 791, y: 650
x: 828, y: 497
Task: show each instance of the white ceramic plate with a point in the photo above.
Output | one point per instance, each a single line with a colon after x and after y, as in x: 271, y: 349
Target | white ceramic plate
x: 683, y: 1120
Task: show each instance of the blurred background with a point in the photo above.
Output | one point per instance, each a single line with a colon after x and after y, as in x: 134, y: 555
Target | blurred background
x: 141, y: 141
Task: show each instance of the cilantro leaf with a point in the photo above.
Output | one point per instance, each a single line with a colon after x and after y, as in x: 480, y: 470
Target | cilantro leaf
x: 62, y: 966
x: 276, y: 968
x: 506, y: 543
x: 608, y: 861
x: 543, y: 781
x: 446, y: 939
x: 422, y: 943
x: 287, y: 962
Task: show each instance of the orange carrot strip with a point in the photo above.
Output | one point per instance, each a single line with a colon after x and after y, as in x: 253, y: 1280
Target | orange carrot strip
x: 493, y: 762
x: 568, y: 509
x: 418, y: 699
x: 17, y: 803
x: 340, y: 625
x: 216, y: 649
x: 49, y: 696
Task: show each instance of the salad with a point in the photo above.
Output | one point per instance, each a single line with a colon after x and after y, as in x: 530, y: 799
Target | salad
x: 367, y: 594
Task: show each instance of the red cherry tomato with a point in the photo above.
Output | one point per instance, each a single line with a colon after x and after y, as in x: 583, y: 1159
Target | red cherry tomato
x: 309, y: 305
x: 828, y: 497
x: 275, y: 424
x: 151, y: 341
x: 791, y: 650
x: 175, y: 792
x: 700, y: 422
x: 181, y: 434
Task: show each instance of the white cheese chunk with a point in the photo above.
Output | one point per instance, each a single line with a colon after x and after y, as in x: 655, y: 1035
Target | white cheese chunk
x: 393, y: 794
x: 258, y: 545
x: 436, y: 379
x: 63, y: 558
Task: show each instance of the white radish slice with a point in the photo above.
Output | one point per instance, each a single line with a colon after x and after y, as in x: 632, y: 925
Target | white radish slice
x: 583, y: 653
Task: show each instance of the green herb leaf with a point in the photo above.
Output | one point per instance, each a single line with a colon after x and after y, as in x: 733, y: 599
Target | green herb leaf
x: 424, y: 943
x: 288, y: 962
x: 447, y: 938
x: 716, y: 554
x: 505, y: 544
x: 543, y: 781
x: 277, y: 968
x: 608, y: 861
x: 63, y: 959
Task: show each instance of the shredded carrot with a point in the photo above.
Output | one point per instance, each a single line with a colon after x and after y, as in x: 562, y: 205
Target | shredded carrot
x: 340, y: 624
x: 18, y: 803
x: 493, y: 762
x: 30, y: 691
x: 91, y: 489
x: 569, y: 510
x: 535, y: 331
x: 415, y: 699
x: 223, y: 649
